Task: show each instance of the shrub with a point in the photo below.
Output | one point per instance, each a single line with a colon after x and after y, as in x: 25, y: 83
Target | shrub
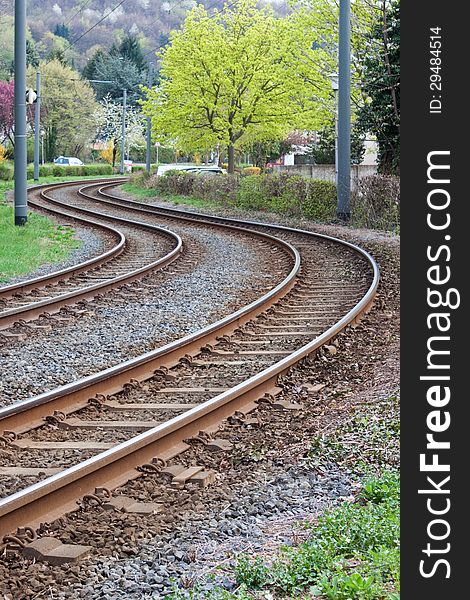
x: 98, y: 169
x: 6, y: 171
x: 3, y: 154
x: 216, y: 188
x: 376, y: 202
x: 140, y: 178
x: 252, y: 193
x: 320, y: 201
x: 251, y: 171
x: 174, y: 182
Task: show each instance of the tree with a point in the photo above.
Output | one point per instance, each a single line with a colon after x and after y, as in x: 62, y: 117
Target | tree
x: 7, y: 36
x: 323, y: 151
x: 69, y: 105
x: 7, y: 103
x: 32, y: 56
x: 124, y: 65
x: 108, y: 116
x: 130, y: 50
x: 231, y: 79
x: 381, y: 86
x: 62, y: 31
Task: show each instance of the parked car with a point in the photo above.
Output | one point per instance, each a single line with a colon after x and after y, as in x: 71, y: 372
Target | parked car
x: 68, y: 160
x: 198, y: 169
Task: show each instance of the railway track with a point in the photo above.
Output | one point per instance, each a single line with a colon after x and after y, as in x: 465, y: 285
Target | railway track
x: 102, y: 430
x: 138, y: 249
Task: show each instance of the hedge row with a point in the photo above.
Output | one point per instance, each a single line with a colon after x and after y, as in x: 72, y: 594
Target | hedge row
x: 375, y: 203
x: 284, y: 192
x: 50, y: 170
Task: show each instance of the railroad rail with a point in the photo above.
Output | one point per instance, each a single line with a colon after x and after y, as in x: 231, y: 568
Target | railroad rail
x: 46, y: 295
x: 236, y: 362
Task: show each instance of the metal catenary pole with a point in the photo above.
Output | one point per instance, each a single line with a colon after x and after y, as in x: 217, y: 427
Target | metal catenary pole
x: 149, y: 145
x: 149, y: 127
x: 123, y: 141
x: 20, y: 197
x: 37, y: 126
x: 343, y: 210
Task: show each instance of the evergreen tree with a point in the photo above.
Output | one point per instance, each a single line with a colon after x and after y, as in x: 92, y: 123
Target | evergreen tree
x: 124, y: 65
x: 130, y: 50
x: 381, y: 86
x: 62, y: 31
x: 32, y: 56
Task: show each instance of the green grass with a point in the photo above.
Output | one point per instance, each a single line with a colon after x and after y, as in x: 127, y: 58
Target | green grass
x: 40, y: 241
x: 351, y: 553
x: 144, y: 193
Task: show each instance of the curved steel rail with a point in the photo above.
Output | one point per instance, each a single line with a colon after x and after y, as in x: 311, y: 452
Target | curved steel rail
x: 63, y: 274
x: 119, y: 464
x: 34, y: 309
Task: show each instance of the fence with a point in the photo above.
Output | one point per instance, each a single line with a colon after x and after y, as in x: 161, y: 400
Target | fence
x: 327, y: 172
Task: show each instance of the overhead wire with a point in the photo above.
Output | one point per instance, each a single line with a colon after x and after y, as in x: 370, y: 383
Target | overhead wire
x: 213, y: 5
x: 81, y: 9
x: 72, y: 42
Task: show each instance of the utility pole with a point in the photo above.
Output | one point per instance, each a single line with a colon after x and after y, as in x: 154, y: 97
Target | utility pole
x: 343, y: 210
x: 123, y: 141
x: 37, y: 126
x: 21, y: 200
x: 149, y: 127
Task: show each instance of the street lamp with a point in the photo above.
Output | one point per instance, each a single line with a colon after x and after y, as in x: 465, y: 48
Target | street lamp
x: 335, y: 87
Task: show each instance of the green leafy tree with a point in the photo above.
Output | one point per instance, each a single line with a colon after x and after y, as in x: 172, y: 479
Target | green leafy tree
x: 381, y: 86
x: 233, y: 79
x: 323, y: 151
x: 69, y: 105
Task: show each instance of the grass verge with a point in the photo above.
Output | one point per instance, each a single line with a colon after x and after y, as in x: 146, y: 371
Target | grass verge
x: 40, y: 241
x: 144, y: 193
x: 351, y: 553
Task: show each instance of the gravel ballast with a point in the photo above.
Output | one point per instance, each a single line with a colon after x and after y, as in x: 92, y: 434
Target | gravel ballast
x: 117, y: 329
x: 260, y: 491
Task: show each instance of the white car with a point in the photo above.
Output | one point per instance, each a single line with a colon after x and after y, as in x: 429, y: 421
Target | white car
x: 68, y: 160
x: 199, y: 169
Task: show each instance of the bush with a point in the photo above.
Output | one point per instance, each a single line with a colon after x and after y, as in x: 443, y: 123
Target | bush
x: 6, y: 171
x: 174, y: 182
x: 216, y: 188
x: 252, y: 193
x: 289, y: 193
x: 51, y: 170
x: 320, y: 201
x: 285, y: 192
x: 251, y: 171
x: 376, y: 202
x: 97, y: 169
